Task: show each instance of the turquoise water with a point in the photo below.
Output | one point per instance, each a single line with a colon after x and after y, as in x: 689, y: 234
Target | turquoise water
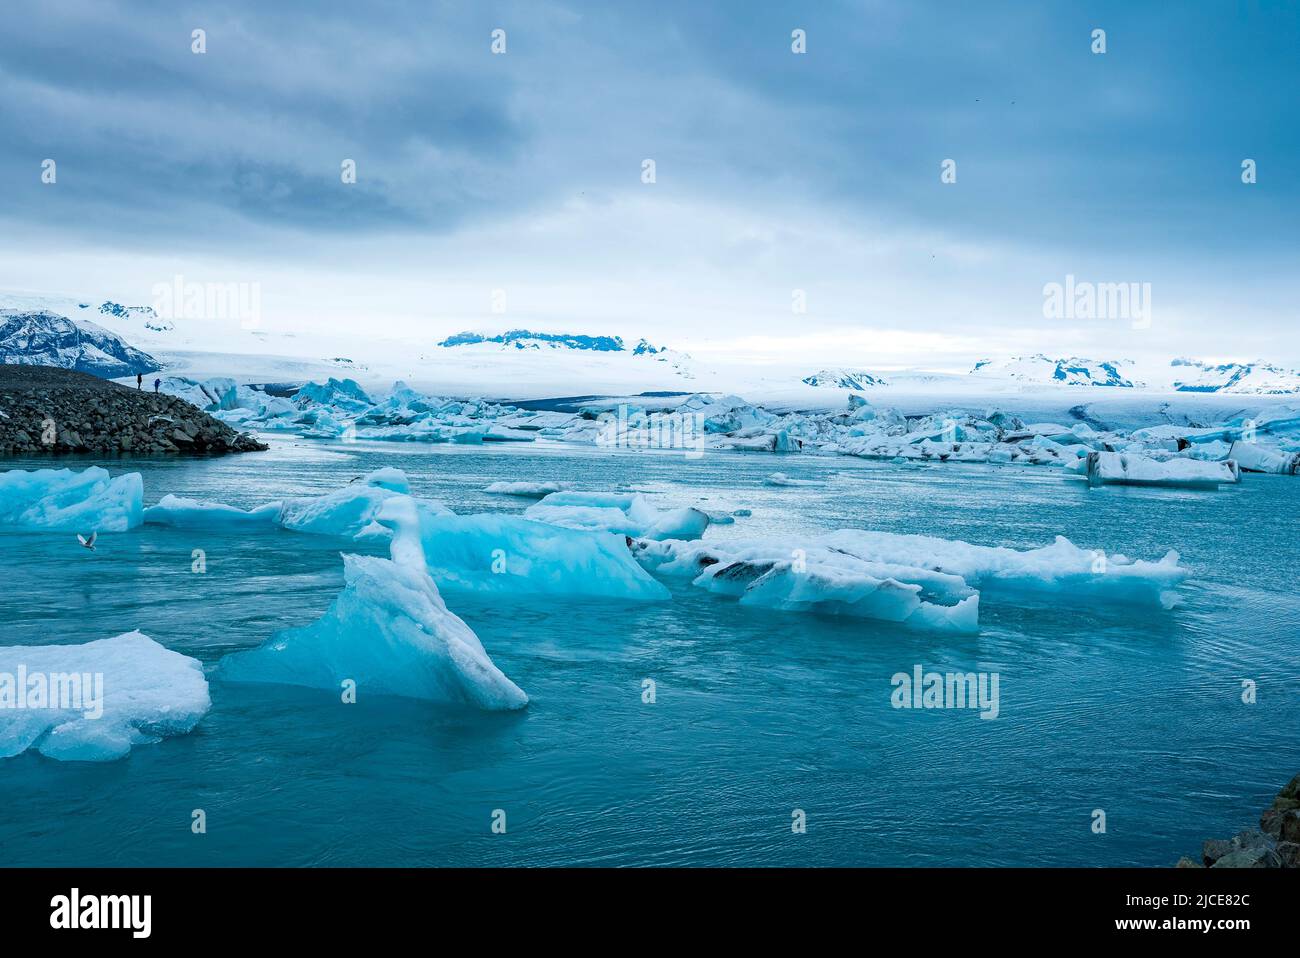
x: 1137, y: 712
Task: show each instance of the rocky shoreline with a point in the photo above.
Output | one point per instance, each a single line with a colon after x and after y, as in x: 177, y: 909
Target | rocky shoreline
x: 1275, y: 844
x: 59, y: 412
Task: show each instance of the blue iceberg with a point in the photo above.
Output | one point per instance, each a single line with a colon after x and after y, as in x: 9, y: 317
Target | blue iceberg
x: 64, y: 500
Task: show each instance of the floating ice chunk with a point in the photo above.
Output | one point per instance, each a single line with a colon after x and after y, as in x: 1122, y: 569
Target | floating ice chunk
x: 814, y: 577
x: 495, y: 553
x: 533, y: 490
x: 781, y: 479
x: 207, y: 394
x: 839, y: 592
x: 945, y: 571
x: 344, y: 394
x: 627, y: 514
x: 1254, y: 457
x: 351, y: 511
x: 1117, y: 468
x: 391, y: 633
x: 186, y: 513
x: 68, y: 501
x: 93, y: 702
x: 720, y: 510
x: 1061, y: 569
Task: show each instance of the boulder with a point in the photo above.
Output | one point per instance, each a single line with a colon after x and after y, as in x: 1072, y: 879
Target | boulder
x: 1259, y: 856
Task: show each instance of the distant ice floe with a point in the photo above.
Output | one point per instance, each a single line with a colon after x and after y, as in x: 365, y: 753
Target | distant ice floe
x: 624, y: 513
x: 95, y: 702
x: 65, y: 500
x: 532, y: 490
x: 1117, y: 468
x: 917, y: 581
x: 781, y: 479
x: 1267, y: 441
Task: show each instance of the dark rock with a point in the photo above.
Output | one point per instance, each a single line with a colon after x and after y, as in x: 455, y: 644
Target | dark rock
x: 1291, y: 790
x: 1271, y: 822
x: 1289, y: 830
x: 1186, y: 862
x: 1289, y: 853
x: 92, y: 414
x: 1260, y: 856
x: 1214, y: 849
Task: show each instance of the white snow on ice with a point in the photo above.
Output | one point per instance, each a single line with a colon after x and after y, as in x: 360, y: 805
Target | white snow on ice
x: 148, y: 693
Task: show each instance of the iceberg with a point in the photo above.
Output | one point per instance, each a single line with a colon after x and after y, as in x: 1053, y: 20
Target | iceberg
x: 1253, y: 457
x: 391, y: 633
x: 781, y: 479
x: 1117, y: 468
x: 343, y: 394
x: 351, y: 511
x: 814, y: 576
x: 624, y: 513
x: 1061, y: 570
x: 64, y: 500
x: 208, y: 394
x: 94, y: 702
x: 532, y: 490
x: 846, y: 566
x: 510, y: 554
x: 185, y: 513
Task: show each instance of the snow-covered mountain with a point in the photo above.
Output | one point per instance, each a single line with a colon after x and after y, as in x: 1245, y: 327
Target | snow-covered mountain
x: 43, y: 338
x: 145, y: 315
x: 1256, y: 379
x: 115, y: 338
x: 1041, y: 370
x: 527, y: 339
x: 844, y: 379
x: 575, y: 358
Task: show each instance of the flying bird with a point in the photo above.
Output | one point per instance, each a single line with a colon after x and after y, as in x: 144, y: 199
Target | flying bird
x: 88, y: 543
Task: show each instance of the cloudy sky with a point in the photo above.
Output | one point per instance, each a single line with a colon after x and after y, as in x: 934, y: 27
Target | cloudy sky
x: 774, y: 171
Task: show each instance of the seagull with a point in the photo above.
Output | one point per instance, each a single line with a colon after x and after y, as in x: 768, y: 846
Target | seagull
x: 88, y: 543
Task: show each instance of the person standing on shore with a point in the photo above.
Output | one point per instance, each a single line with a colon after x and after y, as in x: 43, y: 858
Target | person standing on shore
x: 156, y: 384
x: 139, y: 380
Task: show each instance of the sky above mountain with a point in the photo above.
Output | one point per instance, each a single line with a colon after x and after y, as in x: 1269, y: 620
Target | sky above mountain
x: 500, y: 190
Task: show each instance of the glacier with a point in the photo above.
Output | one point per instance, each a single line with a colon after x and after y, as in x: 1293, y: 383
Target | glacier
x: 148, y: 693
x: 65, y: 500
